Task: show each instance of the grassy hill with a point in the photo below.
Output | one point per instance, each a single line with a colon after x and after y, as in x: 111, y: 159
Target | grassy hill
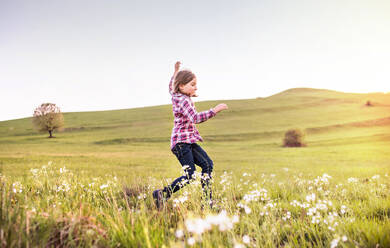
x: 92, y: 184
x: 339, y: 129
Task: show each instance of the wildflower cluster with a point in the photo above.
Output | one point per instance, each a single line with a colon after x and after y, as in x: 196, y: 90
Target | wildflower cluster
x: 195, y: 227
x: 17, y: 187
x: 320, y: 210
x: 255, y: 197
x: 320, y: 183
x: 226, y: 179
x: 180, y: 199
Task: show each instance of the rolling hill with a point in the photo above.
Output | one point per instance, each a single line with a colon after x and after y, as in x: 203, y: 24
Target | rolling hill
x: 315, y: 110
x: 338, y: 126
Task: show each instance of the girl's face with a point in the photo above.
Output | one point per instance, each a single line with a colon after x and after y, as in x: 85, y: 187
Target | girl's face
x: 189, y: 89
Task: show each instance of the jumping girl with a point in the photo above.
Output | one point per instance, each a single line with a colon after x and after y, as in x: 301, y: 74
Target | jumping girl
x: 185, y: 135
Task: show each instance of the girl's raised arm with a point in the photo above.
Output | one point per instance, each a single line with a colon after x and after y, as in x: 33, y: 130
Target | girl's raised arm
x: 177, y: 68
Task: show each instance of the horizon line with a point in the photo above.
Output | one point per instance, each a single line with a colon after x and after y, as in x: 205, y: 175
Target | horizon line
x: 232, y: 99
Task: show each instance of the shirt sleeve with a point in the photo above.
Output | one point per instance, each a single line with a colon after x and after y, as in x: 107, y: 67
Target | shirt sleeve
x: 171, y: 86
x: 189, y: 111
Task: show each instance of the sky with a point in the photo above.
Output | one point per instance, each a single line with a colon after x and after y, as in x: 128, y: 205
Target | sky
x: 89, y: 55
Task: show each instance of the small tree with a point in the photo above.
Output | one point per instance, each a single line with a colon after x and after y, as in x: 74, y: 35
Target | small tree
x: 48, y: 117
x: 294, y: 138
x: 368, y: 103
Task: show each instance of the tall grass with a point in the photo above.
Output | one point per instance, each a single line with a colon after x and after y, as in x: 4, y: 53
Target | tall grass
x: 56, y: 207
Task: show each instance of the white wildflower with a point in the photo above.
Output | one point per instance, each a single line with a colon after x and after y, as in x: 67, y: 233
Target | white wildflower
x: 141, y: 196
x: 63, y: 170
x: 247, y: 209
x: 191, y: 241
x: 179, y: 233
x: 246, y: 239
x: 316, y: 219
x: 343, y: 209
x: 17, y: 187
x: 199, y: 225
x: 311, y: 197
x: 375, y: 177
x: 103, y: 186
x: 180, y: 200
x: 334, y: 243
x: 352, y: 180
x: 287, y: 216
x: 34, y: 172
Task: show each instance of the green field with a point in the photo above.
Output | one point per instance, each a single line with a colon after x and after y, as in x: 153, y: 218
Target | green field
x: 129, y: 152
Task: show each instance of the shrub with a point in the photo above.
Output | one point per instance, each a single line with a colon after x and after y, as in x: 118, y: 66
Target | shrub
x: 368, y: 103
x: 294, y: 138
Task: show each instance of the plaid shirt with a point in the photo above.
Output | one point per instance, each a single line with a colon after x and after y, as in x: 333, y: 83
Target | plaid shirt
x: 185, y: 118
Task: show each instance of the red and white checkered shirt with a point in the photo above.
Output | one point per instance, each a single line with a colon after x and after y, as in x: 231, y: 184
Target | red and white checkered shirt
x: 185, y: 118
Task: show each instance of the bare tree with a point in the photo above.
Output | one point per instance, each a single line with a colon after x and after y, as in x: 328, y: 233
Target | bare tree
x: 48, y: 117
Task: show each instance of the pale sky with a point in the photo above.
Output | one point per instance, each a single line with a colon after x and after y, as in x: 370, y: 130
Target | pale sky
x: 89, y: 55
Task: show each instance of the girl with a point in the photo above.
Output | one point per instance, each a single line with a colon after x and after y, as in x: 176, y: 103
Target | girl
x: 185, y: 135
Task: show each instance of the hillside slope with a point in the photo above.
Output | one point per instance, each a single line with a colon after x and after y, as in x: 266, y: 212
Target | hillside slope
x: 317, y: 111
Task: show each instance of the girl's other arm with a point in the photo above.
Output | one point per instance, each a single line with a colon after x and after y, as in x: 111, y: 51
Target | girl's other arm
x: 195, y: 117
x: 220, y: 107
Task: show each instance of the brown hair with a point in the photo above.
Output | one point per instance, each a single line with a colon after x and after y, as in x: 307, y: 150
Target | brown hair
x: 182, y: 78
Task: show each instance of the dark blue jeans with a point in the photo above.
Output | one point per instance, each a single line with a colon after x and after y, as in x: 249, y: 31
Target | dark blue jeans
x: 189, y: 155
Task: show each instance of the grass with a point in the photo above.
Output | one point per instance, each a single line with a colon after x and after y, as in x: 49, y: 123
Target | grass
x: 128, y: 151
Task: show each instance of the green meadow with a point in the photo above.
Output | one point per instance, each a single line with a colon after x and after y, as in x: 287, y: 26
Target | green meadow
x: 91, y: 185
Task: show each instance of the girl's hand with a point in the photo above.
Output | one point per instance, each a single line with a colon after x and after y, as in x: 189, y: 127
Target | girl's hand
x: 220, y: 107
x: 177, y: 66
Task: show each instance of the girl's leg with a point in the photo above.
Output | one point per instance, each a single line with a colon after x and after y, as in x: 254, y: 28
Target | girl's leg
x: 184, y: 154
x: 203, y: 160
